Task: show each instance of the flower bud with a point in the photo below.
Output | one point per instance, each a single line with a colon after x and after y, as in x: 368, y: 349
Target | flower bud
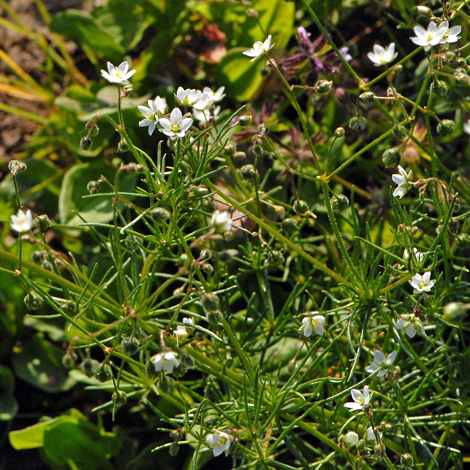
x: 230, y: 149
x: 407, y: 461
x: 258, y: 150
x: 339, y: 132
x: 213, y: 317
x: 207, y: 268
x: 150, y: 370
x: 275, y: 258
x: 93, y: 187
x: 252, y: 13
x: 160, y: 215
x: 92, y: 128
x: 200, y: 191
x: 358, y: 123
x: 391, y: 157
x: 85, y: 143
x: 454, y: 227
x: 104, y: 373
x: 119, y: 398
x: 280, y: 211
x: 165, y: 384
x: 399, y: 132
x: 440, y: 88
x: 323, y: 86
x: 122, y: 146
x: 446, y: 127
x: 244, y: 120
x: 183, y: 260
x: 33, y: 301
x: 187, y: 360
x: 69, y: 360
x: 339, y: 203
x: 300, y: 207
x: 43, y: 222
x: 367, y: 96
x: 130, y: 345
x: 455, y: 311
x: 16, y: 167
x: 239, y: 155
x: 47, y: 265
x: 89, y: 367
x: 425, y: 11
x: 379, y: 450
x: 289, y: 225
x: 247, y: 171
x: 210, y: 302
x: 227, y: 256
x: 127, y: 89
x: 179, y: 371
x: 263, y: 129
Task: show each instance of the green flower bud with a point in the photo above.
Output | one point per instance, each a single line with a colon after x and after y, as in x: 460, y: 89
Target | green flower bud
x: 122, y: 146
x: 213, y: 317
x: 89, y: 367
x: 183, y: 260
x: 230, y: 149
x: 247, y: 171
x: 379, y: 450
x: 289, y: 225
x: 391, y: 157
x: 455, y: 311
x: 399, y: 132
x: 323, y: 86
x: 85, y: 143
x: 358, y: 123
x: 210, y: 302
x: 43, y: 222
x: 263, y: 129
x: 252, y: 13
x: 150, y: 370
x: 119, y: 398
x: 200, y: 191
x: 69, y: 360
x: 160, y: 215
x: 339, y: 203
x: 367, y: 96
x: 339, y: 132
x: 127, y: 89
x: 187, y: 360
x: 258, y: 150
x: 166, y: 385
x: 37, y: 257
x: 92, y: 128
x: 47, y: 265
x: 300, y: 207
x: 93, y: 187
x: 207, y: 268
x: 33, y: 301
x: 16, y: 167
x: 446, y: 127
x: 130, y: 345
x: 179, y: 371
x: 280, y: 211
x: 407, y: 461
x: 104, y: 373
x: 174, y: 449
x: 424, y: 11
x: 244, y: 120
x: 454, y: 227
x: 440, y: 88
x: 275, y: 258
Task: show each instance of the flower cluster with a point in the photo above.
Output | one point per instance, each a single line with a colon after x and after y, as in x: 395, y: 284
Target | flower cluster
x: 434, y: 35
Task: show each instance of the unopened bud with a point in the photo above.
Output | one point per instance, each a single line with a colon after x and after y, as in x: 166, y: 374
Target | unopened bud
x: 43, y: 222
x: 210, y: 302
x: 239, y: 155
x: 407, y: 461
x: 85, y: 143
x: 244, y: 120
x: 166, y: 385
x: 122, y: 146
x: 93, y: 187
x: 69, y: 360
x: 213, y: 317
x: 358, y: 123
x: 247, y: 171
x: 104, y: 373
x: 207, y: 268
x: 440, y: 88
x: 446, y: 127
x: 263, y: 129
x: 160, y: 214
x: 280, y: 211
x: 127, y: 89
x: 339, y: 203
x: 399, y: 132
x: 367, y: 96
x: 130, y: 345
x: 275, y: 258
x: 227, y: 256
x: 425, y: 11
x: 179, y: 371
x: 289, y: 225
x: 92, y: 128
x: 252, y: 13
x: 16, y: 167
x: 230, y: 148
x: 391, y: 157
x: 455, y: 311
x: 339, y: 132
x: 300, y: 207
x: 119, y: 398
x: 323, y: 86
x: 33, y: 301
x: 89, y: 367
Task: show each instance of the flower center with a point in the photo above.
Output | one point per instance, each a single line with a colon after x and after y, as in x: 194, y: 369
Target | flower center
x: 422, y: 284
x: 175, y: 127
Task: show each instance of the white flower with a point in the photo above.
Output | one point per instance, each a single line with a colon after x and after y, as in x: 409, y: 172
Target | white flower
x: 451, y: 35
x: 430, y: 37
x: 205, y: 115
x: 182, y: 330
x: 22, y: 221
x: 351, y: 439
x: 214, y: 96
x: 361, y: 400
x: 370, y: 434
x: 418, y: 255
x: 382, y: 56
x: 422, y: 283
x: 381, y: 363
x: 221, y: 221
x: 315, y: 323
x: 410, y: 326
x: 259, y: 48
x: 166, y: 362
x: 219, y: 442
x: 156, y: 109
x: 187, y: 97
x: 176, y: 126
x: 117, y: 74
x: 403, y: 181
x: 466, y: 127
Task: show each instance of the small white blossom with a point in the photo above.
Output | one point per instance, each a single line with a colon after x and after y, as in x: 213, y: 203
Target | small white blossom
x: 403, y: 181
x: 466, y: 127
x: 182, y: 330
x: 361, y: 399
x: 117, y: 74
x: 205, y: 115
x: 382, y: 56
x: 166, y: 362
x: 410, y: 326
x: 22, y: 222
x: 381, y: 363
x: 422, y: 283
x: 157, y: 108
x: 311, y: 324
x: 451, y: 35
x: 188, y: 97
x: 430, y: 37
x: 214, y: 96
x: 259, y: 48
x: 351, y: 439
x: 370, y: 434
x: 176, y: 126
x: 221, y: 221
x: 219, y: 442
x: 418, y: 255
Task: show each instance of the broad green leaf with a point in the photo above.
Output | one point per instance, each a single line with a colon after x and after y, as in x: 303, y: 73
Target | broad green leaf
x: 39, y: 363
x: 82, y: 27
x: 92, y: 209
x: 31, y: 437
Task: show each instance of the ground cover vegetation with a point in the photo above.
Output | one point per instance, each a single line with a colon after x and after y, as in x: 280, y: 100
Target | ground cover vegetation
x: 239, y: 237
